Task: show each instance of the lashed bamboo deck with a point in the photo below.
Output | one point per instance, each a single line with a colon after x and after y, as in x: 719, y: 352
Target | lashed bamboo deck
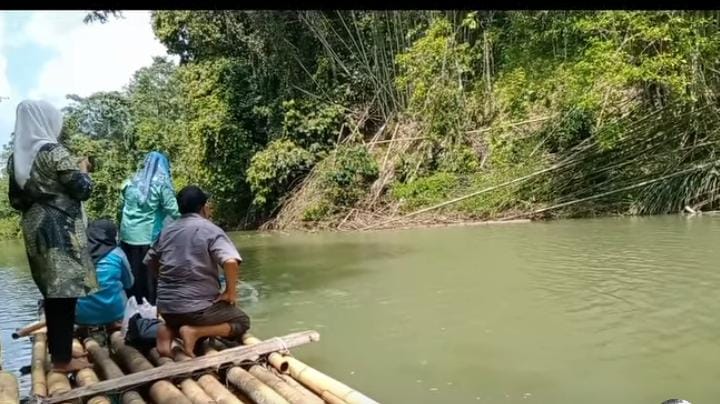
x: 257, y: 371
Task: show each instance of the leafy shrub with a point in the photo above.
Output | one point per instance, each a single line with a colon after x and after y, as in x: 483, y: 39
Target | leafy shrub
x: 273, y: 171
x: 348, y: 176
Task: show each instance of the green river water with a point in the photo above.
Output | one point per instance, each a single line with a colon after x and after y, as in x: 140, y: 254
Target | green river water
x: 579, y: 311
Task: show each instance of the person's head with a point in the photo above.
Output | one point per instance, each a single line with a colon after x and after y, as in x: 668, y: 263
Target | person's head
x: 192, y: 199
x: 102, y: 238
x: 37, y: 119
x: 37, y: 123
x: 156, y: 162
x: 103, y: 228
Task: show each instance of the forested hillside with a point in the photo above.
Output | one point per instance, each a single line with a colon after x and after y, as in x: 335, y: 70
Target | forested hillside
x: 352, y: 119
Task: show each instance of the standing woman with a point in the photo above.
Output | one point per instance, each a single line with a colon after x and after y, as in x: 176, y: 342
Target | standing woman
x: 48, y: 186
x: 147, y: 201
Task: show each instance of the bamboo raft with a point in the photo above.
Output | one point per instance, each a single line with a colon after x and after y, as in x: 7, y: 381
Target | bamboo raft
x: 261, y: 372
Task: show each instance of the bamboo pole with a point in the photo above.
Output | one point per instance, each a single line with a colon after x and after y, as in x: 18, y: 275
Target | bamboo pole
x: 78, y: 351
x: 603, y: 194
x: 28, y: 329
x: 110, y: 370
x: 253, y: 388
x: 57, y: 383
x: 161, y: 391
x: 472, y: 194
x: 217, y: 390
x: 194, y: 390
x: 212, y: 385
x: 275, y: 359
x: 211, y: 382
x: 9, y: 392
x: 317, y: 381
x: 158, y: 360
x: 288, y: 392
x: 321, y: 383
x: 38, y: 377
x: 87, y: 377
x: 304, y: 390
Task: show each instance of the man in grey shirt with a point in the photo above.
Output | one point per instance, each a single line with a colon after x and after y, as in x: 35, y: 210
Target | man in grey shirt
x: 186, y: 257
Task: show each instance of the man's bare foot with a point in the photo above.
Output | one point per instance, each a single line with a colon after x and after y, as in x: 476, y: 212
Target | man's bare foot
x: 189, y: 337
x: 164, y: 342
x: 73, y: 366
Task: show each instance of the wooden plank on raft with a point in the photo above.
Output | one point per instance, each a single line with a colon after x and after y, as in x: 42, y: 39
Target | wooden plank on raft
x: 171, y: 370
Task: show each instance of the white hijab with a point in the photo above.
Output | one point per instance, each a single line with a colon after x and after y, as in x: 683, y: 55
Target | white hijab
x: 37, y: 123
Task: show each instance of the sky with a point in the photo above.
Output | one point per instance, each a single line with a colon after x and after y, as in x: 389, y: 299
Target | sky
x: 49, y: 54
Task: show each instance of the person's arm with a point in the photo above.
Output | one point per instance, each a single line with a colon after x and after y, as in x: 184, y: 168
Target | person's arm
x: 126, y: 276
x: 224, y: 252
x: 121, y: 204
x: 18, y: 200
x: 152, y: 260
x: 72, y: 176
x: 169, y: 202
x: 231, y: 268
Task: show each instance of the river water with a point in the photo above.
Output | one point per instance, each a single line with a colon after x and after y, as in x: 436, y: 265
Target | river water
x: 577, y: 311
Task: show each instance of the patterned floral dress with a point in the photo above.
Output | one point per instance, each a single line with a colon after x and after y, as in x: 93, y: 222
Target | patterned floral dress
x: 53, y: 223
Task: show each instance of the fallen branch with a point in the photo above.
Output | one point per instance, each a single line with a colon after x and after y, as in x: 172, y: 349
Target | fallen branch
x: 510, y: 124
x: 604, y: 194
x: 470, y: 195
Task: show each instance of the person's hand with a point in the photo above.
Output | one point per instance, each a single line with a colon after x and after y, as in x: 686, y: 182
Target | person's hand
x: 228, y: 297
x: 85, y: 165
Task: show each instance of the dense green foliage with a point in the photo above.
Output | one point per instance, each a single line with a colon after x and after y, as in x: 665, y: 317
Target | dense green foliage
x: 310, y: 116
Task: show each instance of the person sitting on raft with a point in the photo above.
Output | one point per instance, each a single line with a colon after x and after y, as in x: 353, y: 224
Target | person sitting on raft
x: 186, y: 257
x: 106, y: 306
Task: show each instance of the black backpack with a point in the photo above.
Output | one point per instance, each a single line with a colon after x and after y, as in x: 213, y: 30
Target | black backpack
x: 142, y: 332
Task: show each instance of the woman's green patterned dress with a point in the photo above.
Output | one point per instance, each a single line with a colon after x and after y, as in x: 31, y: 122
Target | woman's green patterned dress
x: 53, y: 223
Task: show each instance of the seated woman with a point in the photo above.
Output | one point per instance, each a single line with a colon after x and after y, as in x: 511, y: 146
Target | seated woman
x: 107, y: 305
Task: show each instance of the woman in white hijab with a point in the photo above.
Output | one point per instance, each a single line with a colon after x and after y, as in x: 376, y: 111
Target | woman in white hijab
x: 48, y: 186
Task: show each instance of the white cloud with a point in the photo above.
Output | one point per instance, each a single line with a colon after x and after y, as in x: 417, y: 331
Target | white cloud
x: 86, y: 57
x: 90, y: 57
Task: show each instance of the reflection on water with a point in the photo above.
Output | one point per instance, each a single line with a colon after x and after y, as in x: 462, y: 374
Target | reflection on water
x: 18, y: 307
x: 580, y: 311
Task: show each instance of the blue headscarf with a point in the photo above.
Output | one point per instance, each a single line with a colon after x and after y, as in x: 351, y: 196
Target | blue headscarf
x: 156, y: 169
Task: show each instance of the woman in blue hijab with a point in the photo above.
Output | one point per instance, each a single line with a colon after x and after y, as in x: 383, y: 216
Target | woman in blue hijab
x: 148, y: 200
